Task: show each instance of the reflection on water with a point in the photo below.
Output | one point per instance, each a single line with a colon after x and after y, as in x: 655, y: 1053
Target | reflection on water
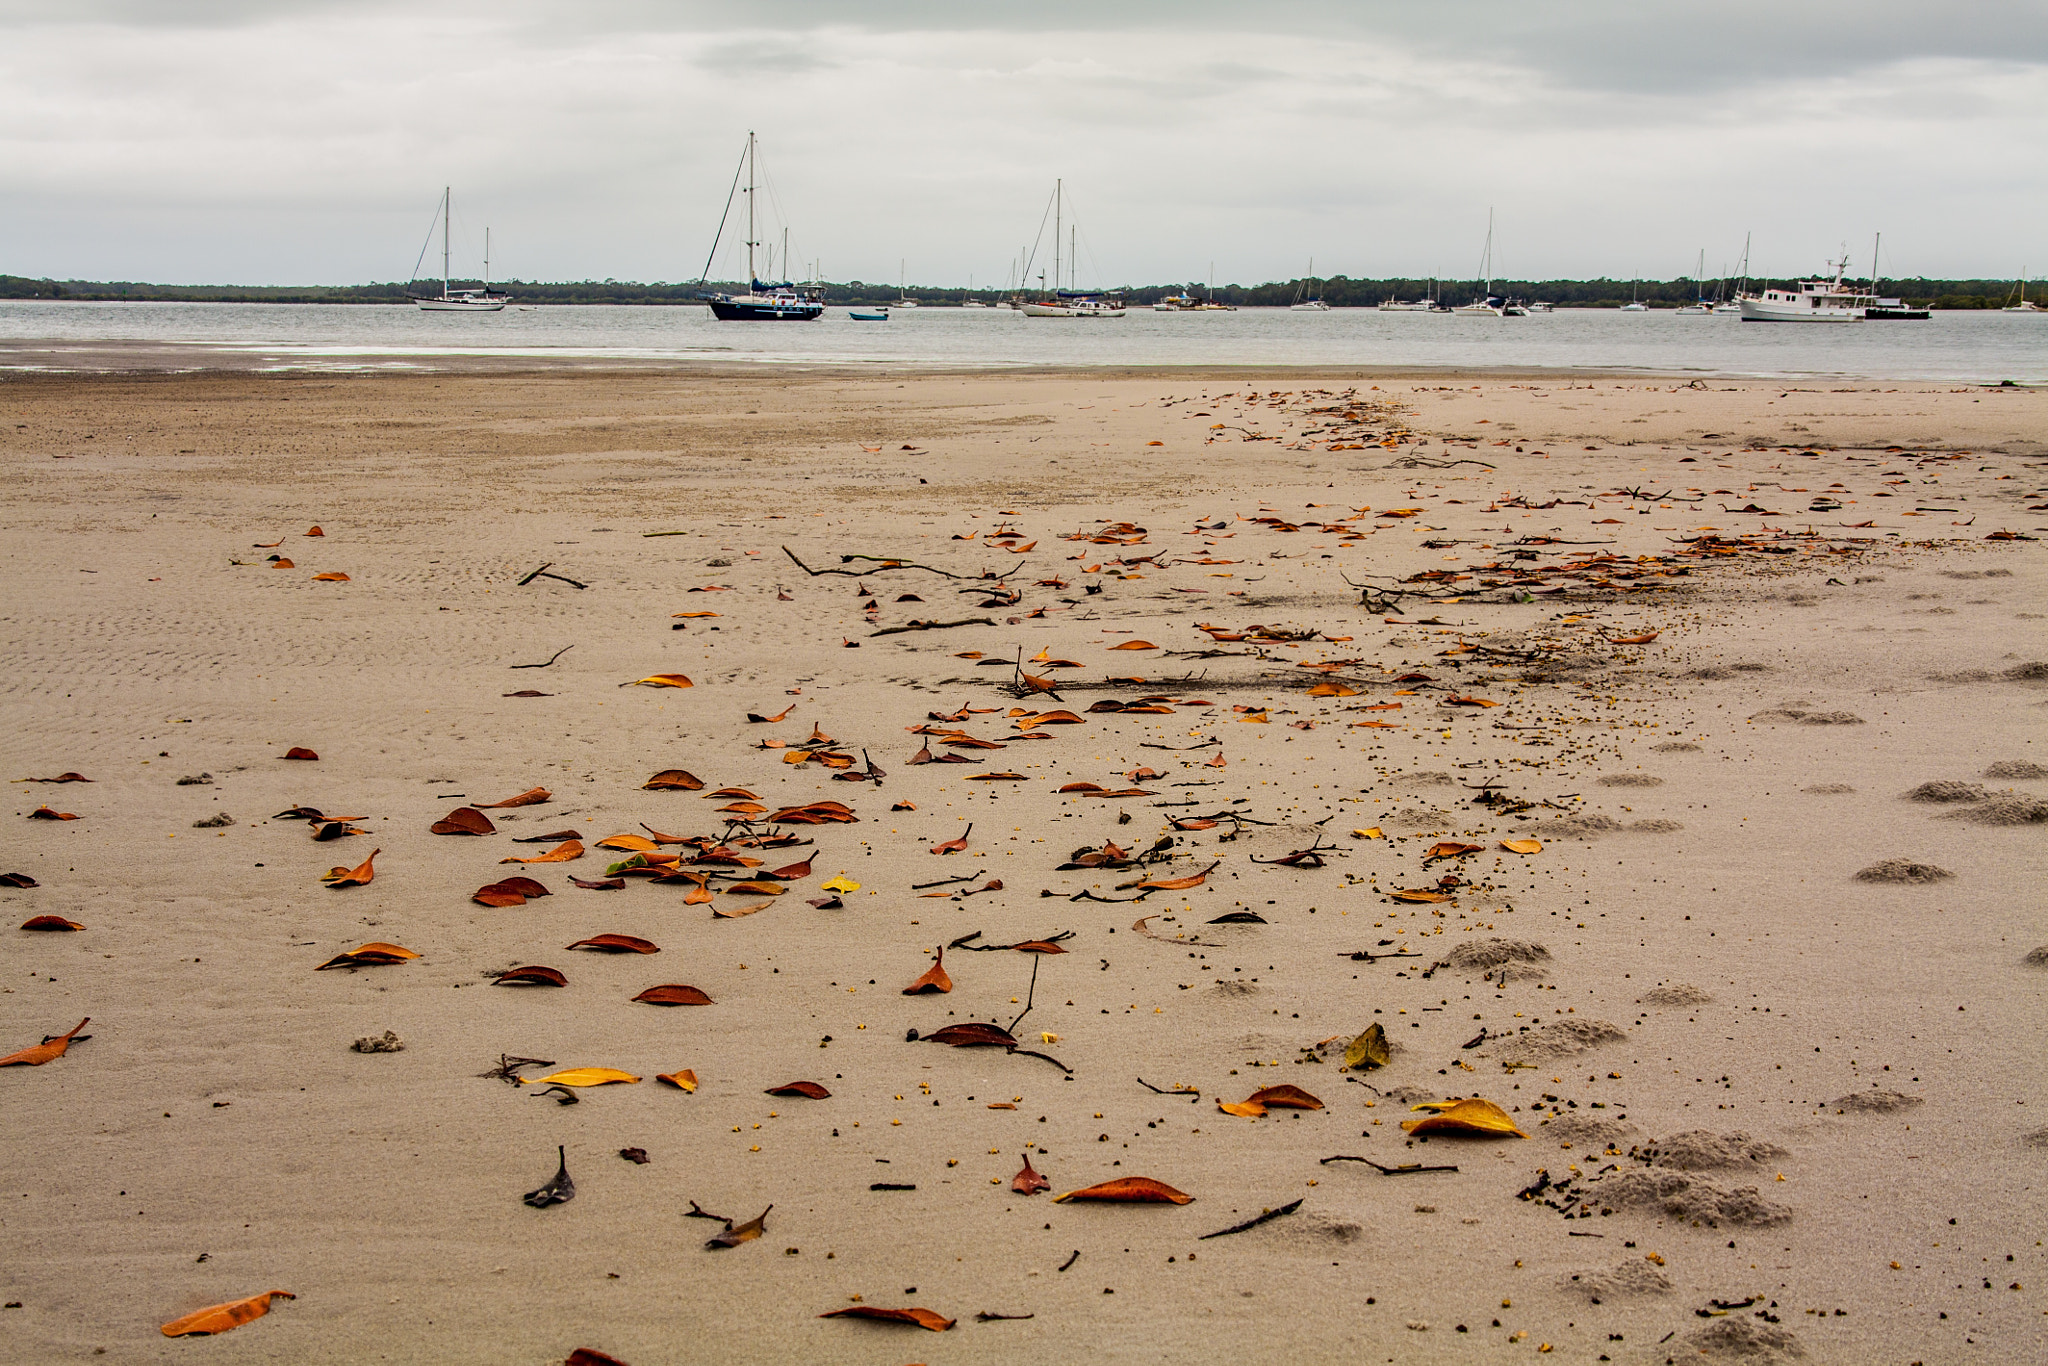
x: 1977, y: 347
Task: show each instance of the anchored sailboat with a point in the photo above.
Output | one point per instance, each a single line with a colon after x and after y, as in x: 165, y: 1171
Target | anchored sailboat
x: 764, y: 301
x: 1316, y: 304
x: 459, y: 300
x: 1066, y: 303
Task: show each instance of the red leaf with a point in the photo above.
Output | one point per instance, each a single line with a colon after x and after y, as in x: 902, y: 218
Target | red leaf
x: 674, y: 994
x: 44, y: 813
x: 463, y: 820
x: 810, y: 1090
x: 300, y: 752
x: 533, y: 796
x: 1028, y: 1181
x: 972, y: 1036
x: 1130, y: 1190
x: 674, y: 778
x: 934, y: 980
x: 922, y: 1318
x: 50, y: 922
x: 531, y: 976
x: 616, y: 943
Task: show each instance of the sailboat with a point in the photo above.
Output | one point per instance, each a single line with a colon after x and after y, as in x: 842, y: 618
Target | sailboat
x: 902, y: 288
x: 1315, y: 305
x: 1634, y: 305
x: 1067, y: 303
x: 1701, y: 306
x: 1489, y: 302
x: 461, y: 300
x: 1882, y: 309
x: 2025, y: 305
x: 1424, y: 305
x: 764, y: 301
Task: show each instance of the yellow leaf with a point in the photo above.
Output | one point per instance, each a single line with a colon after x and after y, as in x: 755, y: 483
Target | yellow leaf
x: 1368, y: 1050
x: 685, y: 1079
x: 1474, y: 1116
x: 693, y: 614
x: 582, y: 1076
x: 1373, y: 833
x: 1333, y: 690
x: 638, y: 844
x: 663, y: 681
x: 840, y: 884
x: 1522, y: 846
x: 1249, y: 1109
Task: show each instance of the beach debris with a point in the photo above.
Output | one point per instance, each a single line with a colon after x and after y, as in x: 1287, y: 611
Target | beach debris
x: 1405, y: 1169
x: 375, y: 954
x: 1676, y: 994
x: 674, y: 994
x: 603, y: 884
x: 1139, y: 1190
x: 60, y: 778
x: 50, y: 813
x: 1522, y: 846
x: 513, y: 891
x: 532, y: 975
x: 300, y: 752
x: 218, y: 1318
x: 387, y: 1042
x: 956, y: 844
x: 560, y: 1190
x: 590, y: 1356
x: 921, y: 1318
x: 463, y: 820
x: 220, y: 820
x: 21, y: 880
x: 1265, y: 1218
x: 660, y: 681
x: 567, y: 851
x: 50, y: 922
x: 196, y: 780
x: 533, y: 796
x: 934, y: 979
x: 735, y: 1234
x: 50, y: 1049
x: 1469, y: 1116
x: 1028, y: 1181
x: 673, y: 779
x: 616, y: 943
x: 636, y: 1156
x: 1368, y: 1050
x: 580, y: 1076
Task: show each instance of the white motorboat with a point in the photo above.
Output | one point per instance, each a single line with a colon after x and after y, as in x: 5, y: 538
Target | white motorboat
x: 1175, y: 303
x: 460, y: 300
x: 1541, y: 307
x: 1813, y: 301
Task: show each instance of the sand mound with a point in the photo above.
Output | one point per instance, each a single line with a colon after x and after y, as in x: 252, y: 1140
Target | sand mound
x: 1745, y: 1339
x: 1710, y: 672
x: 1613, y: 1282
x: 1576, y: 827
x: 1875, y: 1102
x: 2016, y: 768
x: 2037, y: 958
x: 1903, y: 870
x: 2007, y: 809
x: 1828, y: 789
x: 1656, y: 826
x: 1314, y: 1226
x: 1428, y: 778
x: 1519, y: 972
x: 1231, y: 986
x: 1964, y: 676
x: 1630, y: 780
x: 1776, y: 714
x: 1700, y: 1150
x: 1486, y: 954
x: 1409, y: 1095
x: 1976, y: 573
x: 1676, y: 994
x: 1418, y: 818
x: 1947, y: 790
x: 2035, y: 1138
x: 2032, y: 669
x: 1560, y: 1039
x: 1676, y: 747
x: 1830, y: 718
x: 1691, y: 1198
x: 1592, y: 1130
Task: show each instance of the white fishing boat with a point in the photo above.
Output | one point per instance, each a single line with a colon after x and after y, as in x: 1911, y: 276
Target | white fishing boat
x: 1182, y: 302
x: 1812, y: 301
x: 460, y: 300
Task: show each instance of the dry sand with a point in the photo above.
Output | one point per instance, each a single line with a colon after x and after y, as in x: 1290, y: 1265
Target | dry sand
x: 1776, y: 1075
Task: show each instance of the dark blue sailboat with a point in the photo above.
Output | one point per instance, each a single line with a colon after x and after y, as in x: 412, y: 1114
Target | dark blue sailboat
x: 764, y: 301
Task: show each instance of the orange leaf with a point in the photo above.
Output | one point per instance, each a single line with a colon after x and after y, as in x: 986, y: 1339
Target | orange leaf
x: 1643, y: 639
x: 282, y: 563
x: 1284, y: 1097
x: 330, y: 578
x: 673, y: 778
x: 1028, y: 1181
x: 221, y: 1317
x: 561, y: 853
x: 934, y: 980
x: 1249, y: 1109
x: 693, y: 614
x: 638, y: 844
x: 1333, y: 690
x: 1132, y: 1189
x: 1418, y: 894
x: 533, y: 796
x: 1135, y: 645
x: 1177, y: 884
x: 661, y: 681
x: 50, y: 922
x: 956, y: 844
x: 1469, y: 702
x: 1449, y: 849
x: 513, y: 891
x: 684, y: 1079
x: 809, y: 1090
x: 300, y: 752
x: 49, y: 1050
x: 923, y: 1318
x: 352, y: 877
x: 756, y: 889
x: 758, y: 719
x: 674, y: 994
x: 531, y: 976
x: 46, y: 813
x: 371, y: 955
x: 615, y: 943
x: 463, y: 820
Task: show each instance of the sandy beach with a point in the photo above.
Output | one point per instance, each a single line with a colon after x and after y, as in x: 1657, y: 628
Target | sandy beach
x: 1665, y: 764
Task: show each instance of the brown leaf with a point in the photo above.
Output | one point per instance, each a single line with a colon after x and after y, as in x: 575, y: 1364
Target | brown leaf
x: 1451, y: 849
x: 44, y: 813
x: 463, y: 820
x: 758, y: 719
x: 352, y: 877
x: 1643, y: 639
x: 1285, y: 1097
x: 674, y: 994
x: 733, y: 792
x: 923, y: 1318
x: 676, y: 779
x: 810, y: 1090
x: 561, y: 853
x: 50, y: 922
x: 221, y: 1317
x: 1129, y: 1189
x: 49, y: 1050
x: 995, y: 778
x: 730, y: 912
x: 330, y: 577
x: 300, y: 752
x: 1176, y: 884
x: 603, y: 884
x: 372, y: 955
x: 531, y: 975
x: 533, y: 796
x: 313, y: 531
x: 1028, y: 1181
x: 660, y: 681
x: 615, y: 943
x: 1418, y: 894
x: 1135, y: 645
x: 736, y: 1234
x: 590, y: 1356
x: 1038, y: 946
x: 956, y: 844
x: 793, y: 872
x: 60, y: 778
x: 934, y: 980
x: 280, y: 562
x: 972, y: 1035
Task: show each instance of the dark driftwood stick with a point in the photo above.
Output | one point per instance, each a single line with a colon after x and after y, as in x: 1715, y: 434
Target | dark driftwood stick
x: 926, y: 625
x: 884, y: 565
x: 1164, y: 1092
x: 1251, y: 1223
x: 1408, y: 1170
x: 561, y: 579
x: 549, y: 660
x: 1047, y: 1056
x: 534, y: 575
x: 1071, y: 1260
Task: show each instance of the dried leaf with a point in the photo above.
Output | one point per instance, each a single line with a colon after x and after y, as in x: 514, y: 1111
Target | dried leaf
x: 531, y: 975
x: 1469, y: 702
x: 1028, y: 1181
x: 608, y: 884
x: 809, y: 1090
x: 1329, y: 689
x: 1176, y: 884
x: 637, y: 844
x: 330, y: 578
x: 558, y: 1191
x: 735, y: 1234
x: 590, y: 1356
x: 675, y: 779
x: 972, y: 1035
x: 1285, y: 1097
x: 923, y: 1318
x: 60, y: 778
x: 733, y: 792
x: 1522, y: 846
x: 1419, y: 894
x: 564, y: 852
x: 1451, y: 849
x: 615, y: 943
x: 49, y: 1050
x: 1368, y: 1050
x: 463, y: 820
x: 221, y: 1317
x: 683, y: 1080
x: 581, y: 1076
x: 313, y: 531
x: 50, y: 922
x: 661, y: 681
x: 1244, y: 1109
x: 1643, y: 639
x: 1473, y: 1116
x: 533, y: 796
x: 1135, y: 645
x: 1038, y: 946
x: 1129, y: 1189
x: 954, y: 845
x: 933, y: 980
x: 734, y: 912
x: 352, y: 877
x: 300, y: 752
x: 674, y: 994
x: 1372, y: 833
x: 756, y: 889
x: 46, y: 813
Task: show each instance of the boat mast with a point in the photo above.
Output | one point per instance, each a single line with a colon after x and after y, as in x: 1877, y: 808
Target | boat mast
x: 1873, y: 263
x: 1056, y: 223
x: 447, y: 202
x: 1486, y: 256
x: 750, y: 211
x: 487, y: 258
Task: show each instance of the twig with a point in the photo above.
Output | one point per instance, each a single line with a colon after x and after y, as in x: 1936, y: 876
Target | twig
x: 1030, y: 995
x: 1269, y: 1215
x: 1408, y: 1170
x: 946, y: 882
x: 1368, y: 956
x: 1183, y: 1091
x: 1071, y: 1260
x: 697, y: 1211
x: 884, y: 565
x: 534, y: 575
x: 1029, y: 1053
x: 542, y: 573
x: 549, y: 660
x: 932, y: 626
x: 1139, y: 926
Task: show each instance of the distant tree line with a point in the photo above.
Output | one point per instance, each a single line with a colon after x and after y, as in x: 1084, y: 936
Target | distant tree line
x: 1339, y: 291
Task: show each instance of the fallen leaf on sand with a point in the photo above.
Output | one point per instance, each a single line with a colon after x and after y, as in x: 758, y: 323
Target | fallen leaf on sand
x: 1522, y: 846
x: 1028, y: 1181
x: 1177, y: 884
x: 1284, y: 1097
x: 933, y: 980
x: 531, y: 975
x: 1135, y: 645
x: 809, y: 1090
x: 1243, y: 1109
x: 922, y: 1318
x: 1371, y: 833
x: 330, y: 578
x: 741, y: 1233
x: 615, y: 943
x: 581, y: 1076
x: 674, y: 994
x: 955, y: 845
x: 45, y: 813
x: 280, y: 562
x: 1469, y: 702
x: 533, y: 796
x: 637, y: 844
x: 375, y: 954
x: 300, y: 752
x: 590, y: 1356
x: 352, y: 877
x: 760, y: 720
x: 1473, y: 1116
x: 1643, y: 639
x: 60, y: 778
x: 973, y: 1035
x: 839, y: 884
x: 18, y: 880
x: 50, y: 922
x: 693, y: 614
x: 49, y: 1050
x: 513, y: 891
x: 463, y: 820
x: 604, y: 884
x: 221, y: 1317
x: 674, y: 779
x: 756, y: 889
x: 557, y: 1191
x: 683, y: 1080
x: 561, y: 853
x: 1368, y: 1050
x: 313, y: 531
x: 1333, y: 690
x: 1450, y: 849
x: 1129, y: 1189
x: 730, y: 912
x: 661, y: 681
x: 1418, y: 894
x: 1038, y: 946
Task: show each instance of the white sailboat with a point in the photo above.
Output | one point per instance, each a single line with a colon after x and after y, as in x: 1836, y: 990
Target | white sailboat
x: 1305, y: 305
x: 461, y: 300
x: 1489, y: 303
x: 2025, y: 305
x: 1067, y: 303
x: 764, y: 301
x: 1701, y: 306
x: 1634, y: 305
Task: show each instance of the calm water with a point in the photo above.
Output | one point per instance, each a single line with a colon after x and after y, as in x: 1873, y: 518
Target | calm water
x: 1979, y: 347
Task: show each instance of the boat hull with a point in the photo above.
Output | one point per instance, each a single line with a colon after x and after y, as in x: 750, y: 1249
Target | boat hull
x: 1759, y: 311
x: 461, y: 306
x: 735, y: 310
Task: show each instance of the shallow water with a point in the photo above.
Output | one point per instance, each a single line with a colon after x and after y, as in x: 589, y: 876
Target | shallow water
x: 1963, y: 346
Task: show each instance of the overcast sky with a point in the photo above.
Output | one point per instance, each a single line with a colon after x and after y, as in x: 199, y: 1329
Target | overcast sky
x: 307, y: 141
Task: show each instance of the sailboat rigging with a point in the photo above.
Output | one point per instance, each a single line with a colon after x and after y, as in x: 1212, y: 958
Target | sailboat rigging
x: 1313, y: 304
x: 764, y: 301
x: 451, y: 300
x: 1064, y: 302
